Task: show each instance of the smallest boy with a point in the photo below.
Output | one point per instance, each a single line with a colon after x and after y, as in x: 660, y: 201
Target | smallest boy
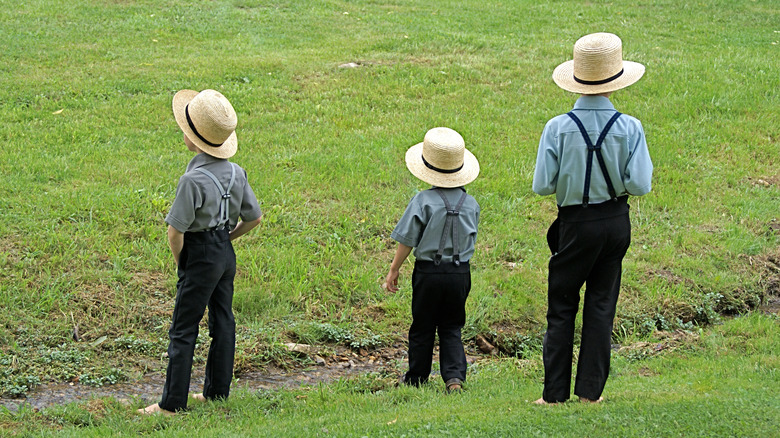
x: 214, y: 205
x: 441, y: 225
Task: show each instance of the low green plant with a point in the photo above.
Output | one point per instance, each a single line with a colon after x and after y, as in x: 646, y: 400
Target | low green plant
x: 132, y: 344
x: 16, y: 385
x: 101, y: 377
x: 352, y: 335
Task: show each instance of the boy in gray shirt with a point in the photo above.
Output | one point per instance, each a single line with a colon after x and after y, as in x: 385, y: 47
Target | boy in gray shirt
x: 441, y: 225
x: 214, y: 205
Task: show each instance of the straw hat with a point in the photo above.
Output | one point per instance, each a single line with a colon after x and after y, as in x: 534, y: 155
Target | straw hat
x: 598, y: 66
x: 209, y: 121
x: 442, y: 159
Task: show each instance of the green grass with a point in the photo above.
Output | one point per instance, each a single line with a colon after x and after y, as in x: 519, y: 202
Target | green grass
x: 92, y: 157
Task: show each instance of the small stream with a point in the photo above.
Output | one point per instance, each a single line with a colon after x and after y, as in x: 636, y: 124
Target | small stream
x: 149, y: 388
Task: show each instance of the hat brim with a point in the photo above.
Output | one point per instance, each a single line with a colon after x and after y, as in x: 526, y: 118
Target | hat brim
x: 180, y: 101
x: 465, y: 175
x: 563, y: 75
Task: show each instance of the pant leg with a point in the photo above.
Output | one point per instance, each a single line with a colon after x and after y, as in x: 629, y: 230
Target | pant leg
x: 453, y: 293
x: 601, y: 295
x: 222, y: 330
x: 422, y: 331
x: 199, y: 274
x: 568, y: 270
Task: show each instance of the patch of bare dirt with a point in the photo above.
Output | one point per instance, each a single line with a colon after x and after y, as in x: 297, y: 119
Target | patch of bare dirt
x: 670, y: 276
x: 647, y: 372
x: 100, y: 309
x: 765, y: 181
x: 771, y: 305
x: 506, y: 338
x: 11, y: 249
x: 770, y: 267
x: 667, y: 342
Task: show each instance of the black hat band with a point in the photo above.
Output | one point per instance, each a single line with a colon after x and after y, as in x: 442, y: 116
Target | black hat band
x: 603, y: 81
x: 192, y: 126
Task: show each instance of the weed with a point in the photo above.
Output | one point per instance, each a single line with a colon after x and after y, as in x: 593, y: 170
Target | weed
x: 102, y: 377
x: 16, y: 385
x: 355, y: 336
x: 133, y: 344
x: 706, y: 311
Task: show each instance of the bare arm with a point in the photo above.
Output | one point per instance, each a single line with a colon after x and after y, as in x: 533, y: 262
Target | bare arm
x: 243, y: 228
x: 391, y: 281
x: 176, y: 242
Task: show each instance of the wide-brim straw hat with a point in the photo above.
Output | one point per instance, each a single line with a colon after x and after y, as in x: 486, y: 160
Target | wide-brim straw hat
x: 209, y: 121
x: 442, y: 159
x: 598, y: 66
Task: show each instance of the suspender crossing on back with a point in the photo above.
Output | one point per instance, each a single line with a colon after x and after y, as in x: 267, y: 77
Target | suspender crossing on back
x: 597, y: 149
x: 224, y: 202
x: 448, y: 224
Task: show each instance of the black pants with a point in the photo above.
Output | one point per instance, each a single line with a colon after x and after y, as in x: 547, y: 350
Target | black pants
x: 438, y: 302
x: 591, y: 244
x: 207, y: 266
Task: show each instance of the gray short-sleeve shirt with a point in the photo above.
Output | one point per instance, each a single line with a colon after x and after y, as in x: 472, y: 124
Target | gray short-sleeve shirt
x: 422, y: 225
x: 197, y: 202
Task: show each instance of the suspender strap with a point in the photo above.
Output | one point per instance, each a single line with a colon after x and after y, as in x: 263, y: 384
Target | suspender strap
x: 448, y: 224
x: 224, y: 202
x: 597, y: 149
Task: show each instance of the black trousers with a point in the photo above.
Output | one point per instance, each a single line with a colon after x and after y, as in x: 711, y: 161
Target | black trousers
x: 438, y: 302
x: 207, y: 266
x: 588, y: 246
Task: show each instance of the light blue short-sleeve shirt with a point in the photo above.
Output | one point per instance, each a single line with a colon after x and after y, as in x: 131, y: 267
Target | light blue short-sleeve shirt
x: 562, y: 158
x: 422, y: 225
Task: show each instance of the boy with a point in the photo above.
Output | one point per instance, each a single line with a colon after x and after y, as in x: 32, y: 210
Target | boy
x: 441, y: 224
x: 592, y: 233
x: 204, y: 218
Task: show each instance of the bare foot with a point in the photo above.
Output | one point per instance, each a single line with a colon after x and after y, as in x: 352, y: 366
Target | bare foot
x: 541, y: 401
x: 587, y: 400
x: 155, y: 409
x: 199, y: 397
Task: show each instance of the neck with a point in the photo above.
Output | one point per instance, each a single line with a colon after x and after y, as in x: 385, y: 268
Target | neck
x: 601, y: 94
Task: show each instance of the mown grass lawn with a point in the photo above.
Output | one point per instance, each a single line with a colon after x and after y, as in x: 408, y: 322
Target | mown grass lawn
x: 93, y: 155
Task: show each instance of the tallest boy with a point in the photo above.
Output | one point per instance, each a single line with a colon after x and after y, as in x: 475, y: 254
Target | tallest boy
x: 214, y: 205
x: 591, y: 158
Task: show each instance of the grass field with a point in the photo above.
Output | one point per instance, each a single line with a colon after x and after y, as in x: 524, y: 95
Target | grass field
x: 93, y: 155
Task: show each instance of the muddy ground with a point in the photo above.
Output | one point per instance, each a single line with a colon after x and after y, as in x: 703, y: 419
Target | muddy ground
x: 342, y: 364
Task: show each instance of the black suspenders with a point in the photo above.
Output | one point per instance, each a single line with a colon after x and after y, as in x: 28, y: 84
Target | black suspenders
x: 448, y: 224
x: 597, y: 148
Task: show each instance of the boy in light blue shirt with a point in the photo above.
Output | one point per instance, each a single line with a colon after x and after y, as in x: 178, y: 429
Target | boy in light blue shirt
x: 592, y: 159
x: 561, y: 167
x: 440, y: 224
